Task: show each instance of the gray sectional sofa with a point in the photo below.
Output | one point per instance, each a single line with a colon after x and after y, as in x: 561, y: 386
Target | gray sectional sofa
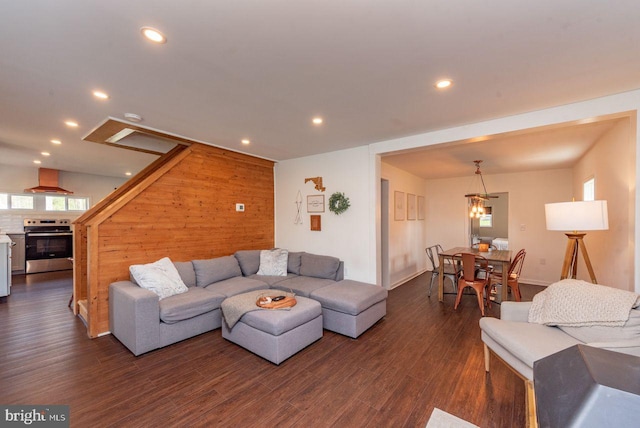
x: 143, y: 322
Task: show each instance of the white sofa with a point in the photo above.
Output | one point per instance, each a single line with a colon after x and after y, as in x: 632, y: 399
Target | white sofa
x: 519, y: 343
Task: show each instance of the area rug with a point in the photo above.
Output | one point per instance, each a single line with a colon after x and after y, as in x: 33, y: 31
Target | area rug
x: 441, y: 419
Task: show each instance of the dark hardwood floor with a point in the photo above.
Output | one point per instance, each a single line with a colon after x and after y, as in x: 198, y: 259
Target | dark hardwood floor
x: 422, y: 355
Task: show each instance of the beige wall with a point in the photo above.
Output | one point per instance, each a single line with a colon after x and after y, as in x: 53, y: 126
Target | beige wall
x: 406, y: 245
x: 612, y: 162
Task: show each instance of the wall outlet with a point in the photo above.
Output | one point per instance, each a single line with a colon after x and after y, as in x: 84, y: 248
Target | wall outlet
x: 240, y: 208
x: 543, y: 261
x: 523, y: 228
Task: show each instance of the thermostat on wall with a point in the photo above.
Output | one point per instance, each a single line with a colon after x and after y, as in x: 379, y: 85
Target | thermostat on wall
x: 240, y: 208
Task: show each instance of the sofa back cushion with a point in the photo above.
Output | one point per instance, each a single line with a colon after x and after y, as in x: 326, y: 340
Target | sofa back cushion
x: 319, y: 266
x: 294, y: 262
x: 214, y: 270
x: 249, y: 261
x: 188, y: 275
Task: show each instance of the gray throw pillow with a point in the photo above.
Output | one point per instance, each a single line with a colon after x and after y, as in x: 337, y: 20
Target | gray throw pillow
x: 214, y: 270
x: 249, y: 261
x: 319, y: 266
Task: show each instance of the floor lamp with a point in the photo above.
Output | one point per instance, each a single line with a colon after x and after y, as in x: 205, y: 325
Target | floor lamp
x: 576, y: 216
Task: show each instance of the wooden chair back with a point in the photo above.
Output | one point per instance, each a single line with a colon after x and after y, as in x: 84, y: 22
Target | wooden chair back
x: 516, y: 265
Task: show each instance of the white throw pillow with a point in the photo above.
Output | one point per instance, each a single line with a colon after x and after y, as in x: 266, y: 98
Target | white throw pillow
x: 273, y: 262
x: 161, y: 277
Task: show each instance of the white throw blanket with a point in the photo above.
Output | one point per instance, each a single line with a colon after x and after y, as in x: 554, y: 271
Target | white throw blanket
x: 576, y: 303
x: 234, y: 307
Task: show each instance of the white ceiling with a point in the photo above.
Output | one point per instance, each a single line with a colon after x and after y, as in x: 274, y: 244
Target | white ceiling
x: 262, y: 69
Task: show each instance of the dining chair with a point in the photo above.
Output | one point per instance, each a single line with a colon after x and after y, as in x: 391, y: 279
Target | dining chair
x: 513, y: 275
x: 474, y: 272
x: 433, y: 254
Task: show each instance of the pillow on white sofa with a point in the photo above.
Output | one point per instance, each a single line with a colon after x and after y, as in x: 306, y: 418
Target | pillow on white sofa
x: 161, y: 277
x: 273, y: 262
x: 599, y: 333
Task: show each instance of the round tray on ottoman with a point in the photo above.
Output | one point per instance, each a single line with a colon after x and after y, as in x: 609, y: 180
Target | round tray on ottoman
x: 277, y: 334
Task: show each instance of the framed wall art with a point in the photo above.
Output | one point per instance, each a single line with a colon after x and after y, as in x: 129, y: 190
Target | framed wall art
x: 411, y: 206
x: 316, y: 223
x: 421, y: 207
x: 398, y: 204
x: 315, y: 203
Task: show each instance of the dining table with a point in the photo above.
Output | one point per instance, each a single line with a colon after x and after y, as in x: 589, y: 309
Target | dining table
x: 495, y: 257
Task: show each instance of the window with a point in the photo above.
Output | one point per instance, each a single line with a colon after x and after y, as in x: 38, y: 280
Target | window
x: 486, y: 220
x: 55, y: 203
x: 589, y: 190
x: 77, y: 204
x: 21, y: 202
x: 16, y: 202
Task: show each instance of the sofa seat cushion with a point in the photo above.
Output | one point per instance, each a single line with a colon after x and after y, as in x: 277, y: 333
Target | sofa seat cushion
x: 236, y: 285
x: 525, y: 341
x: 319, y: 266
x: 302, y: 285
x: 270, y: 279
x: 194, y: 302
x: 278, y: 321
x: 349, y: 297
x: 214, y: 270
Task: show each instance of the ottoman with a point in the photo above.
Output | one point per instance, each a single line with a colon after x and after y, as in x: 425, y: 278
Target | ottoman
x: 351, y: 307
x: 277, y: 334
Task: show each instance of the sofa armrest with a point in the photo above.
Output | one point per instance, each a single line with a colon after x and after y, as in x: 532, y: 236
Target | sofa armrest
x: 515, y: 311
x: 134, y: 316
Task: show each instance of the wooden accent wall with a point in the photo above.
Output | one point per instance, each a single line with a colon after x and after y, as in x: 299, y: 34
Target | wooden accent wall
x: 182, y: 207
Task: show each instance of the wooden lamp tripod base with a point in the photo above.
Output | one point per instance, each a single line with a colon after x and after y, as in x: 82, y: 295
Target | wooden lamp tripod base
x: 571, y: 257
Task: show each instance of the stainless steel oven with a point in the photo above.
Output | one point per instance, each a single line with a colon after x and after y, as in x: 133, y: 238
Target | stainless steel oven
x: 48, y: 245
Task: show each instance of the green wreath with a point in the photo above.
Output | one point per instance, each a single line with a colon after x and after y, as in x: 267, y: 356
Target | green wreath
x: 338, y: 203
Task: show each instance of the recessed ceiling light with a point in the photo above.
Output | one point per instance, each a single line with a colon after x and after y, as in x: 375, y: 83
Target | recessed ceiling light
x: 153, y: 35
x: 71, y: 123
x: 58, y: 142
x: 45, y: 153
x: 127, y: 173
x: 444, y: 83
x: 101, y: 95
x: 317, y: 121
x: 37, y: 161
x: 245, y: 141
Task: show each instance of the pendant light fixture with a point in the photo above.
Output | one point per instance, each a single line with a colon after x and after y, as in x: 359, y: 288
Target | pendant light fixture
x: 478, y: 199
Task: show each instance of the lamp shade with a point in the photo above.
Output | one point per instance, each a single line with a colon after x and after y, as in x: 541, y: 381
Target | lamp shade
x: 578, y: 216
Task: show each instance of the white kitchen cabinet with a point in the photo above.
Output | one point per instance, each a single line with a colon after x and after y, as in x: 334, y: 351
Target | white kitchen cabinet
x: 17, y: 252
x: 5, y: 265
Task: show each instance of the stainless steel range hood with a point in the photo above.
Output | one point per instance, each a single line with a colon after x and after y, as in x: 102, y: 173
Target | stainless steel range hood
x: 48, y: 183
